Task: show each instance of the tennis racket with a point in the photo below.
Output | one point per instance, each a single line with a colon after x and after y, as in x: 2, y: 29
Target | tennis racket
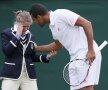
x: 71, y: 73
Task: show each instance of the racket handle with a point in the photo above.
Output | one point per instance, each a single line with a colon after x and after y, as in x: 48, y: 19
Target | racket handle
x: 102, y: 46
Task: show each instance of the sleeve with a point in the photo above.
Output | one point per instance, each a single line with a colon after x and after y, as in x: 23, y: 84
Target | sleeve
x: 69, y: 17
x: 54, y: 37
x: 8, y: 46
x: 38, y: 58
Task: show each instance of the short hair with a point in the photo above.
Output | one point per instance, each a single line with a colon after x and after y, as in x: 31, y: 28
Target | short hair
x: 38, y: 9
x: 23, y: 16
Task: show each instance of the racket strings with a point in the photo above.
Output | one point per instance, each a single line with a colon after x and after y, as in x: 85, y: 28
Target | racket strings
x: 72, y: 75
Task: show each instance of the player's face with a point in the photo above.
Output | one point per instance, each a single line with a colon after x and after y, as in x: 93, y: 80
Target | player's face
x: 39, y: 20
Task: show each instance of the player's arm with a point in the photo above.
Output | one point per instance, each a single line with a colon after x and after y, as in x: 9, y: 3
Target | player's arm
x: 8, y: 45
x: 73, y: 19
x: 87, y: 26
x: 54, y: 46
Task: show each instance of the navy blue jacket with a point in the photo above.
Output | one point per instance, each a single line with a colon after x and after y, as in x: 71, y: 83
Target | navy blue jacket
x: 13, y: 51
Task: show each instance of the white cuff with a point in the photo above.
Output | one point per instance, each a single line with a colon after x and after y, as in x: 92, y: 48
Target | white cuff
x: 10, y: 63
x: 40, y: 58
x: 13, y: 44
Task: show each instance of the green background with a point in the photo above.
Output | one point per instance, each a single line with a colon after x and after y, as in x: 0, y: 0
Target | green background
x: 50, y: 75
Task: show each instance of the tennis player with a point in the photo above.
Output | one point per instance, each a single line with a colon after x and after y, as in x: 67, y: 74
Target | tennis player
x: 74, y: 33
x: 18, y: 47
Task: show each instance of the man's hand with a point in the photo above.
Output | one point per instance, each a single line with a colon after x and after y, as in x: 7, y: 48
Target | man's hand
x: 51, y: 54
x: 90, y: 56
x: 19, y: 29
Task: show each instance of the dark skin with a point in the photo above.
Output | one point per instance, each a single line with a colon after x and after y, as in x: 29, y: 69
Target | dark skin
x: 56, y: 45
x: 87, y: 26
x: 42, y: 20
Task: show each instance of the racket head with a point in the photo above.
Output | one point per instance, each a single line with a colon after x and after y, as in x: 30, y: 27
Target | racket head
x: 75, y: 72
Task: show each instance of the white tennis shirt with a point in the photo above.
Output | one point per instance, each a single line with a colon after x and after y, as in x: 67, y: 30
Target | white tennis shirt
x: 73, y: 38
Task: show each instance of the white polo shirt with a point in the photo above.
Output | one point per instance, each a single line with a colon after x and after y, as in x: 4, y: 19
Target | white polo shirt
x: 73, y: 38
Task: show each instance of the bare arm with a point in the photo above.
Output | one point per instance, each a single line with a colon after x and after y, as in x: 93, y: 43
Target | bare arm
x: 54, y: 46
x: 87, y: 26
x: 88, y: 30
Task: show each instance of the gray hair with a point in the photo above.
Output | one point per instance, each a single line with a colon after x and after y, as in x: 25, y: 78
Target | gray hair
x: 23, y: 16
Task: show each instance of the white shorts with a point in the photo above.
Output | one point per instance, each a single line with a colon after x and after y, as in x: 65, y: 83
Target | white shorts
x: 94, y: 73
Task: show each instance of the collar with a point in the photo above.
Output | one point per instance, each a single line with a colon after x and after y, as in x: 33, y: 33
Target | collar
x: 52, y: 19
